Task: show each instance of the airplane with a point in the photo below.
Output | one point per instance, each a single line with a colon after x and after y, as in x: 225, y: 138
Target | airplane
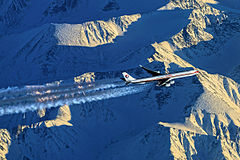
x: 163, y: 79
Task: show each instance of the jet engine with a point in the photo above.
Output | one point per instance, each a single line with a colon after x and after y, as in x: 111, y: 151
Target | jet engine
x: 168, y: 85
x: 172, y: 82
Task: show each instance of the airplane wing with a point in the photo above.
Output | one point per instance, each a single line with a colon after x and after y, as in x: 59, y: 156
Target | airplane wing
x: 153, y: 73
x: 163, y: 82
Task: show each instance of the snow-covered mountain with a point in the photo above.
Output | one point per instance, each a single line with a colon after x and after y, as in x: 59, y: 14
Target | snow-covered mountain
x: 61, y: 96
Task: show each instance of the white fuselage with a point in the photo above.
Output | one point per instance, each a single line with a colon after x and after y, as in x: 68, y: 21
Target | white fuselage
x: 167, y: 76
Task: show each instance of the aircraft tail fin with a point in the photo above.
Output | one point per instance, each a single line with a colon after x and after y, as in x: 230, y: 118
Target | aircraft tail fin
x: 127, y: 77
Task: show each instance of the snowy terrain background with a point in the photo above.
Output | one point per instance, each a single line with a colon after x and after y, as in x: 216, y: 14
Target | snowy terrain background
x: 61, y: 96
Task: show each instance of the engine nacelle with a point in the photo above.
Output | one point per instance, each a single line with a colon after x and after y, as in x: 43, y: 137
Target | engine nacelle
x: 168, y: 85
x: 172, y: 82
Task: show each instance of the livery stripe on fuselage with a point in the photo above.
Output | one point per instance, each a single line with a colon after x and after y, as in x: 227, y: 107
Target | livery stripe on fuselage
x: 172, y: 76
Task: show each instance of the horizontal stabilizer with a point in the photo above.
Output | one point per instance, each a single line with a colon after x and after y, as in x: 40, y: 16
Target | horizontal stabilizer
x: 123, y: 79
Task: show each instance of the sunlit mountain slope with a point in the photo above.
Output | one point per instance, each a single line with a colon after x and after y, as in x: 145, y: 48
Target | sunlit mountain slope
x: 62, y: 98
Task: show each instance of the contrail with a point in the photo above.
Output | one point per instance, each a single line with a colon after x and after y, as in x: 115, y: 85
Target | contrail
x: 21, y: 100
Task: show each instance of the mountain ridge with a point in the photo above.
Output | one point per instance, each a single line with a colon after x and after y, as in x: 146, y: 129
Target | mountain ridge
x: 196, y: 118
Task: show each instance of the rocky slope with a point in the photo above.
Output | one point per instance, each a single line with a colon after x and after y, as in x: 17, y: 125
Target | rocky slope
x: 43, y: 49
x: 60, y: 51
x: 196, y: 118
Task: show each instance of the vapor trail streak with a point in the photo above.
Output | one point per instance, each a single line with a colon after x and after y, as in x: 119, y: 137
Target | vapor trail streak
x: 24, y: 100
